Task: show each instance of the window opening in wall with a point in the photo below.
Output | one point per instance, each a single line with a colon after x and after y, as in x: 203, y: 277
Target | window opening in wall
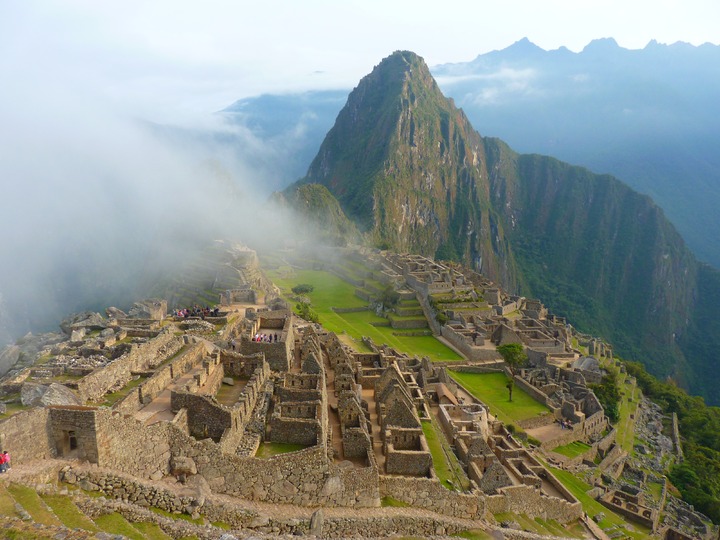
x: 73, y: 440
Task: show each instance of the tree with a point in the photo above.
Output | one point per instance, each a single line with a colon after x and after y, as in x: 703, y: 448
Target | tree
x: 510, y: 385
x: 303, y: 288
x: 514, y: 356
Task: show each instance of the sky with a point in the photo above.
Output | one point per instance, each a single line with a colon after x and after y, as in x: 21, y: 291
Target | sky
x: 89, y: 190
x: 172, y: 60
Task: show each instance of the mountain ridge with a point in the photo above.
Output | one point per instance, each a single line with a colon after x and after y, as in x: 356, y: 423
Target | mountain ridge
x: 590, y: 246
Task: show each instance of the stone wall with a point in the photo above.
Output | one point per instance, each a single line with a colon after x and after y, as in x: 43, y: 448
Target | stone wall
x: 463, y: 344
x: 27, y: 436
x: 493, y: 368
x: 277, y: 354
x: 73, y: 432
x: 181, y: 364
x: 125, y: 445
x: 205, y: 418
x: 305, y: 478
x: 431, y: 495
x: 215, y: 509
x: 533, y: 503
x: 117, y: 374
x: 305, y: 431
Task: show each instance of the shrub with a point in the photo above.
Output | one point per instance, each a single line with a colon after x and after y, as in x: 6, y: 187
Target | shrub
x: 303, y: 288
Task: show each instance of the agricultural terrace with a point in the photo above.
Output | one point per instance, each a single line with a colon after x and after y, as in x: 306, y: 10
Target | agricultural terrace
x: 490, y: 388
x: 579, y: 489
x: 331, y: 291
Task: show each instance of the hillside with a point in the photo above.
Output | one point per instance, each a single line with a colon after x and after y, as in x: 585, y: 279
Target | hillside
x: 409, y: 169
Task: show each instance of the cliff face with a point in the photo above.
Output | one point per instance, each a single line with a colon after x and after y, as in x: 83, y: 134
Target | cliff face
x: 597, y: 251
x: 407, y: 166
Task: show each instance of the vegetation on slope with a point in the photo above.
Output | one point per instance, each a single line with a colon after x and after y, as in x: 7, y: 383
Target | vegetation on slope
x: 698, y: 476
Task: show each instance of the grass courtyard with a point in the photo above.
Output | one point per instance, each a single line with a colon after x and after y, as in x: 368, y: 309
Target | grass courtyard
x: 331, y: 291
x: 490, y: 389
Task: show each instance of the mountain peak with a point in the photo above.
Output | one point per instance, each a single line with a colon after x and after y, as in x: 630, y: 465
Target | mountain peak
x: 524, y: 45
x: 601, y: 45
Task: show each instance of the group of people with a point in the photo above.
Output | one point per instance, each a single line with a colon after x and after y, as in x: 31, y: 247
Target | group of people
x: 4, y: 461
x: 265, y: 338
x: 196, y: 311
x: 565, y: 424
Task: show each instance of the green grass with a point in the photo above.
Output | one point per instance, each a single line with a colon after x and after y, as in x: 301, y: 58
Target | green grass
x: 579, y: 489
x: 112, y: 398
x: 572, y: 450
x: 116, y: 524
x: 7, y: 503
x: 537, y: 525
x: 655, y: 489
x: 269, y: 449
x: 391, y: 501
x: 445, y: 462
x: 626, y: 425
x: 151, y: 531
x: 490, y: 389
x: 31, y: 502
x: 331, y: 291
x: 65, y: 509
x: 11, y: 409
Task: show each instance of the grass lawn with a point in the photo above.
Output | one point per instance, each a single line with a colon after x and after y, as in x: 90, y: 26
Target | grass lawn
x: 538, y: 526
x: 574, y: 449
x: 68, y: 513
x: 151, y: 531
x: 116, y: 524
x: 579, y: 488
x: 391, y: 501
x: 7, y: 503
x: 490, y: 389
x: 114, y: 397
x: 269, y: 449
x: 331, y: 291
x: 445, y: 462
x: 626, y: 425
x: 33, y: 505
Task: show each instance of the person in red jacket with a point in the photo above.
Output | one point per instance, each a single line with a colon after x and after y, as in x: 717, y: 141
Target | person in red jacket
x: 3, y: 463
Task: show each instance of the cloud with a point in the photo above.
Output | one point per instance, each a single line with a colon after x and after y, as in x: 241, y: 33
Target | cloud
x: 494, y: 87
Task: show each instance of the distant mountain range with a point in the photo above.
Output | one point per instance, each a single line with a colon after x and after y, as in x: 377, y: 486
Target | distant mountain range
x: 646, y: 116
x: 410, y: 171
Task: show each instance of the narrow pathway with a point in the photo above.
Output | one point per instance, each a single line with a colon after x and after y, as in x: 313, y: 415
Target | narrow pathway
x: 369, y: 396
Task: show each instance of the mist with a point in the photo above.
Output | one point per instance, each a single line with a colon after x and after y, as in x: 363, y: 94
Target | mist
x: 95, y: 201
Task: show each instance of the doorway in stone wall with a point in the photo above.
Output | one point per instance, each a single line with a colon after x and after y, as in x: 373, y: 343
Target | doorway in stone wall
x: 68, y: 444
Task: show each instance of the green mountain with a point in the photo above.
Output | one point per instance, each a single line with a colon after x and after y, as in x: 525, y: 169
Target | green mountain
x: 408, y: 168
x: 318, y: 214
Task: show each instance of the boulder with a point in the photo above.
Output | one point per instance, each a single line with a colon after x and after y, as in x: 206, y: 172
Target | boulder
x: 152, y: 308
x: 316, y: 523
x: 8, y: 358
x: 86, y: 319
x: 182, y: 465
x: 3, y: 408
x: 115, y: 313
x: 58, y: 394
x: 77, y: 334
x: 32, y: 393
x: 229, y: 381
x: 39, y: 395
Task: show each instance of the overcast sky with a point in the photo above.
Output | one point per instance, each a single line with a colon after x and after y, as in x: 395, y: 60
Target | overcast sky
x: 172, y: 59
